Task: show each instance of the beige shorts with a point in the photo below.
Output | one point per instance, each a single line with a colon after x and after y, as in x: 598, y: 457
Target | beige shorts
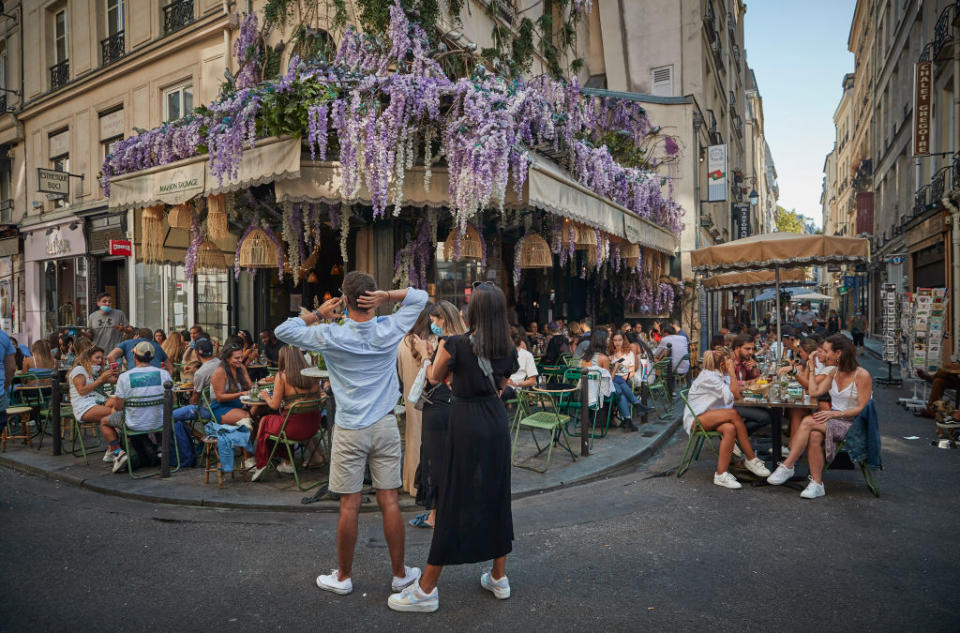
x: 377, y: 445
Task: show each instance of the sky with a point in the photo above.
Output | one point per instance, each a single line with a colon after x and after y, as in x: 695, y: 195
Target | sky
x: 798, y: 51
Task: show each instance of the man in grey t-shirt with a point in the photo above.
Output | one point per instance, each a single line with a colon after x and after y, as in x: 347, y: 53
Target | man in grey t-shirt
x: 107, y: 323
x: 201, y: 380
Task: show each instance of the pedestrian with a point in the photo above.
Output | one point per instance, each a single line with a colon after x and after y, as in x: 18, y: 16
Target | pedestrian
x: 474, y: 518
x: 8, y: 354
x: 821, y: 433
x: 107, y: 322
x: 833, y: 323
x: 408, y: 366
x: 858, y: 328
x: 446, y: 322
x: 361, y: 356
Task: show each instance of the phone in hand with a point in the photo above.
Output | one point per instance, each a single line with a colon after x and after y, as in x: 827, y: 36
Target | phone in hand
x: 115, y: 367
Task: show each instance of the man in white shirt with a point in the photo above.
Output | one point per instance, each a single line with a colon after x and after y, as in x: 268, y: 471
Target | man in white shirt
x: 143, y: 381
x: 526, y: 376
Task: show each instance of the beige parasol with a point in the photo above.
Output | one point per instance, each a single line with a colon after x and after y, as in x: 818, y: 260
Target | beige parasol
x: 755, y: 279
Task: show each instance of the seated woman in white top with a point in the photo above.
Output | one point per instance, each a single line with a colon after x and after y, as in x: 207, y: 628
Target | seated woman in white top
x: 711, y: 397
x: 850, y: 388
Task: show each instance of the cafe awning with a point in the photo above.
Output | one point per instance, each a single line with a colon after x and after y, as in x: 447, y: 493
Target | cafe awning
x: 273, y: 159
x: 547, y: 187
x: 755, y: 279
x: 780, y: 250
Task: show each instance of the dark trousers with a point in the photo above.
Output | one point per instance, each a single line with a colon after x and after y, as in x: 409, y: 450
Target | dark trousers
x: 754, y: 417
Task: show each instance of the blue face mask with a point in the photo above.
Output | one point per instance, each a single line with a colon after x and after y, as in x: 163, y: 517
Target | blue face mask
x: 105, y: 308
x: 436, y: 329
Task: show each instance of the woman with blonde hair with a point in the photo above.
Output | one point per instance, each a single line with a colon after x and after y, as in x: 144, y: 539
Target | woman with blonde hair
x: 445, y: 321
x: 42, y: 363
x: 173, y: 347
x: 711, y: 400
x: 408, y: 366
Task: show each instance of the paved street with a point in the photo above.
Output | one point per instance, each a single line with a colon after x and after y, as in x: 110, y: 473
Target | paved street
x: 633, y: 552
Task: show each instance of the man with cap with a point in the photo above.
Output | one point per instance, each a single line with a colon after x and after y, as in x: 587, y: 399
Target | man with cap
x: 140, y: 381
x: 201, y: 380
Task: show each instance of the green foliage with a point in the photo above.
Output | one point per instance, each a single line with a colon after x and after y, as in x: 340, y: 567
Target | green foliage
x: 286, y: 113
x: 789, y: 221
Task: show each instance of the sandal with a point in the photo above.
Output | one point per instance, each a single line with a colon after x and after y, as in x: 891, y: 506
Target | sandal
x: 420, y: 521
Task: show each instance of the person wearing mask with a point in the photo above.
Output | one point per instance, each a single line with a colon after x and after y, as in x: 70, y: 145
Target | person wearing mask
x: 270, y: 347
x: 850, y: 387
x: 86, y: 379
x: 229, y: 383
x: 8, y: 353
x: 408, y: 366
x: 107, y: 322
x: 201, y: 381
x: 445, y: 321
x: 526, y: 375
x: 361, y: 357
x: 125, y: 350
x: 142, y: 380
x: 474, y: 522
x: 711, y: 398
x: 289, y: 387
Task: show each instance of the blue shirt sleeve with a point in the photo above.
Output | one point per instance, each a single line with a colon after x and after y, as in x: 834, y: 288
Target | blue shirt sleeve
x: 6, y: 347
x: 294, y: 331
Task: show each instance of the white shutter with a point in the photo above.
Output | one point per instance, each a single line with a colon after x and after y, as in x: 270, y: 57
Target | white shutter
x: 661, y: 81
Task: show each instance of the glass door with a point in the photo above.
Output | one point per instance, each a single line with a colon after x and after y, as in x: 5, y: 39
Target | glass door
x: 213, y: 303
x: 177, y: 296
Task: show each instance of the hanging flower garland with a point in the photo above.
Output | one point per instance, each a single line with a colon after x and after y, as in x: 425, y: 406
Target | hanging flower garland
x: 517, y: 260
x: 411, y: 262
x: 190, y: 259
x: 345, y: 214
x: 292, y: 233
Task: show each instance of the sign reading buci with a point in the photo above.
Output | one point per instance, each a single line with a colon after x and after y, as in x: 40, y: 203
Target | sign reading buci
x: 53, y: 181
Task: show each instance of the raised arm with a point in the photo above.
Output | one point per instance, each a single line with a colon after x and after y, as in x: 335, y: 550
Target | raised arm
x: 440, y: 369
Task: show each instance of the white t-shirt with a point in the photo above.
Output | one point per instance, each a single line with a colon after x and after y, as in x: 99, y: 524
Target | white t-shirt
x: 80, y: 404
x: 627, y: 365
x: 142, y: 382
x: 528, y: 366
x: 710, y: 390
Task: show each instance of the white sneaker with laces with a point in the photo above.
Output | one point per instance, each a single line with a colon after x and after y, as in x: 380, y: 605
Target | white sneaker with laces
x: 109, y: 456
x: 813, y: 490
x: 414, y: 599
x: 120, y: 460
x: 726, y: 480
x: 780, y: 475
x: 757, y: 467
x: 285, y: 468
x: 500, y: 588
x: 411, y: 575
x: 331, y: 582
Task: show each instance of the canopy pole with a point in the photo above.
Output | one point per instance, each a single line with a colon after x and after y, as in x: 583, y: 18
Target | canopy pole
x: 776, y: 276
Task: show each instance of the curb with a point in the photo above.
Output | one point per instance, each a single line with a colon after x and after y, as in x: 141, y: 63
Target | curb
x: 321, y: 506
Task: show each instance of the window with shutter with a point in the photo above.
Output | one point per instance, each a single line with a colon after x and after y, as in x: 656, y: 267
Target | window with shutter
x: 661, y: 81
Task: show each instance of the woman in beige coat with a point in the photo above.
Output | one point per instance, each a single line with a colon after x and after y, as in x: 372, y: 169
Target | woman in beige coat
x: 408, y: 365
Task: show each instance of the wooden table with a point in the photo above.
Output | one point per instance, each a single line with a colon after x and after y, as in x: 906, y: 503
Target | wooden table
x: 808, y: 403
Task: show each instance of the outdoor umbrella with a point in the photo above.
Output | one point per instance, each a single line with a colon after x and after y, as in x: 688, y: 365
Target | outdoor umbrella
x: 811, y: 296
x: 753, y: 279
x: 779, y: 251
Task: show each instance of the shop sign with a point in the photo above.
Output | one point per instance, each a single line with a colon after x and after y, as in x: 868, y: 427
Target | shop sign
x: 894, y: 259
x: 864, y: 212
x: 53, y: 181
x: 54, y: 242
x: 716, y: 173
x: 175, y: 186
x: 121, y: 247
x: 849, y: 281
x: 833, y: 268
x: 741, y: 215
x: 922, y: 80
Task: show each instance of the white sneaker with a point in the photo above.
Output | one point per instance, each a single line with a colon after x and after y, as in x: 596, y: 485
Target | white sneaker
x: 333, y: 584
x: 736, y: 451
x: 257, y: 472
x: 726, y: 480
x: 411, y: 575
x: 813, y: 490
x: 249, y: 463
x: 413, y: 599
x: 499, y: 588
x: 285, y: 468
x: 109, y: 457
x: 119, y: 460
x: 780, y: 475
x: 757, y: 467
x: 246, y: 422
x: 785, y: 451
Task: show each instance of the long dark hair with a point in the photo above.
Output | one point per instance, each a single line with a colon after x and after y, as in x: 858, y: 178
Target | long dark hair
x: 598, y: 342
x: 233, y: 380
x: 421, y: 328
x: 848, y: 353
x: 487, y: 316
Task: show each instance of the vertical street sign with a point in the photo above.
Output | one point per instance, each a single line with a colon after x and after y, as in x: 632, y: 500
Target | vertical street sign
x: 922, y: 80
x: 716, y: 173
x: 741, y: 215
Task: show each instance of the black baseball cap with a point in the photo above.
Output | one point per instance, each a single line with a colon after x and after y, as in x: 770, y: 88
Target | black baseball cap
x: 204, y: 347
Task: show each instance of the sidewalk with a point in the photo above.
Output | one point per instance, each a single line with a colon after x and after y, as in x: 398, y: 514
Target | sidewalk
x: 278, y: 492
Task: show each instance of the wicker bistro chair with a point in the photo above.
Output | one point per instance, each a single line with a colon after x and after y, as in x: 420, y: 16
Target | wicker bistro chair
x: 541, y: 413
x: 313, y: 405
x: 698, y: 435
x: 128, y: 433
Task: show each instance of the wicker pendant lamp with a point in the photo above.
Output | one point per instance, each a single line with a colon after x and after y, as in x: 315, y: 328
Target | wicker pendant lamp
x: 257, y: 251
x: 535, y: 252
x: 583, y: 237
x: 217, y: 217
x: 181, y: 216
x: 151, y: 248
x: 630, y: 254
x: 470, y: 246
x: 210, y: 258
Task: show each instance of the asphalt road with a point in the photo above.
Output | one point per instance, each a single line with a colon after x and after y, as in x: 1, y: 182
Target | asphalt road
x: 636, y: 552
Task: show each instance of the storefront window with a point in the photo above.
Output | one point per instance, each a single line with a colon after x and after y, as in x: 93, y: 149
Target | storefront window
x: 454, y: 279
x: 213, y: 296
x: 65, y: 293
x: 176, y: 297
x: 149, y: 295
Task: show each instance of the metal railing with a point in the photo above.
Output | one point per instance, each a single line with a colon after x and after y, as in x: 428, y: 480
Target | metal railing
x: 177, y: 15
x: 3, y: 103
x: 711, y: 20
x: 59, y: 74
x: 6, y: 211
x: 941, y: 32
x: 920, y: 200
x: 112, y: 48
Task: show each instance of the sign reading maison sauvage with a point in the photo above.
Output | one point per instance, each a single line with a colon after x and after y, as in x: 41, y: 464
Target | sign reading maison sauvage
x: 182, y: 182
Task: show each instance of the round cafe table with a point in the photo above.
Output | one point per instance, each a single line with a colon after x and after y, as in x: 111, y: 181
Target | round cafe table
x: 315, y: 372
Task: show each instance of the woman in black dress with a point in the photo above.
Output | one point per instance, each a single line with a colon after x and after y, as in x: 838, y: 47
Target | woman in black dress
x: 474, y: 521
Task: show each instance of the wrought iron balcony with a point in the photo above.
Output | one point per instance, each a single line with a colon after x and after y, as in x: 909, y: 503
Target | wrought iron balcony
x: 938, y: 186
x: 941, y: 34
x: 59, y: 74
x: 177, y: 15
x: 920, y: 200
x: 3, y: 103
x: 112, y: 48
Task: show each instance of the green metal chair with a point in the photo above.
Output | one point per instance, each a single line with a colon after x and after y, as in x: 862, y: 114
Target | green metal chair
x: 542, y: 413
x: 313, y: 405
x: 659, y: 392
x: 570, y: 404
x: 128, y: 433
x: 683, y: 380
x: 698, y: 435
